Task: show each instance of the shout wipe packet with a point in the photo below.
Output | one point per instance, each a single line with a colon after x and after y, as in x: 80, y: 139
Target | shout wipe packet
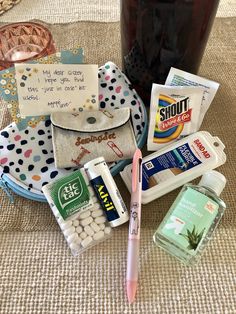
x: 174, y: 113
x: 181, y: 78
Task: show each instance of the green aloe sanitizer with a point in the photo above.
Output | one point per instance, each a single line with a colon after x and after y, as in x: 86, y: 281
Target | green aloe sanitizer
x: 192, y: 218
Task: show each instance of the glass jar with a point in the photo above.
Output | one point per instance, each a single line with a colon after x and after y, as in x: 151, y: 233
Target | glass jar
x: 159, y: 34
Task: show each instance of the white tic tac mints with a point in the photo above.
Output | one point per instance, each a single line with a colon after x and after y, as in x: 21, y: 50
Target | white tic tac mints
x: 87, y: 241
x: 86, y: 221
x: 107, y: 193
x: 99, y: 235
x: 83, y: 235
x: 96, y: 227
x: 89, y: 230
x: 86, y: 229
x: 85, y: 215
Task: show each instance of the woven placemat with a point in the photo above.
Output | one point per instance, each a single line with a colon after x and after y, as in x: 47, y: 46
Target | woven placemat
x: 6, y: 5
x: 217, y: 64
x: 39, y: 276
x: 61, y: 11
x: 38, y: 273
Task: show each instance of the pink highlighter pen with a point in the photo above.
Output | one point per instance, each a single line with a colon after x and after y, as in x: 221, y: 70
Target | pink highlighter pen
x: 134, y: 227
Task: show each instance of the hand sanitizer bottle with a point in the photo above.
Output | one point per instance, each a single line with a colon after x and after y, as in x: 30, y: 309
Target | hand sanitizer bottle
x: 192, y: 218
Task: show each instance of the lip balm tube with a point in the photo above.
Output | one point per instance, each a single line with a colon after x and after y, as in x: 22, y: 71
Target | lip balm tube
x: 107, y: 191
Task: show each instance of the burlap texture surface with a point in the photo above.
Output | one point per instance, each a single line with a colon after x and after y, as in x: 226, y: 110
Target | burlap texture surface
x: 61, y: 11
x: 38, y: 274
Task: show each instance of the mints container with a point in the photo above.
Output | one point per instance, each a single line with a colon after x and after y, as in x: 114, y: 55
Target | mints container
x: 177, y: 164
x: 107, y: 191
x: 88, y: 228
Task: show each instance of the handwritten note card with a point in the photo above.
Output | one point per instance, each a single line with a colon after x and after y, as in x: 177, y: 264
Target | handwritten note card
x: 46, y: 88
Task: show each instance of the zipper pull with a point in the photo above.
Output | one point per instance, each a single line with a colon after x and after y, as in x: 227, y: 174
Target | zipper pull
x: 4, y: 186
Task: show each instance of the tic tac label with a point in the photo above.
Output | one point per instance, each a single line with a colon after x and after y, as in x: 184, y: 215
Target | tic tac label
x: 168, y: 165
x: 70, y: 194
x: 105, y: 198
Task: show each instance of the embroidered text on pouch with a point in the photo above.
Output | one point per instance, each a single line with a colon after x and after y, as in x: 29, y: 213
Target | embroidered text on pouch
x: 106, y: 136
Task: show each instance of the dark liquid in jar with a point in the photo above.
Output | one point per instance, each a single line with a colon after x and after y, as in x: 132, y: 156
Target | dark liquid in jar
x: 158, y: 35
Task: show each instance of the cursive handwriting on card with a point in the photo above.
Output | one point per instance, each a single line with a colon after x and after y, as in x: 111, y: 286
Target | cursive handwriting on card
x: 43, y: 89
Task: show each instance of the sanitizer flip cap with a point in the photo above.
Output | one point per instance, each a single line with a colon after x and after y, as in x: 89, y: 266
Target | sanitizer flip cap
x: 107, y: 191
x: 213, y: 180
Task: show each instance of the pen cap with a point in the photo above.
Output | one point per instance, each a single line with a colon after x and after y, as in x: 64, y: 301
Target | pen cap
x: 107, y: 191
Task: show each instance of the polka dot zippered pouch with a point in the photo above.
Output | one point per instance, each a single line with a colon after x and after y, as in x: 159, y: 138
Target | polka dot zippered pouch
x: 26, y: 156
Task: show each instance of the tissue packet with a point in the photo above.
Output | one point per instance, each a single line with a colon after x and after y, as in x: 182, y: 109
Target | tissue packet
x: 174, y: 113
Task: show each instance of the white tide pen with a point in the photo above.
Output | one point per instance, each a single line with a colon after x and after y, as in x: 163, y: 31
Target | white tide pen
x: 107, y: 191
